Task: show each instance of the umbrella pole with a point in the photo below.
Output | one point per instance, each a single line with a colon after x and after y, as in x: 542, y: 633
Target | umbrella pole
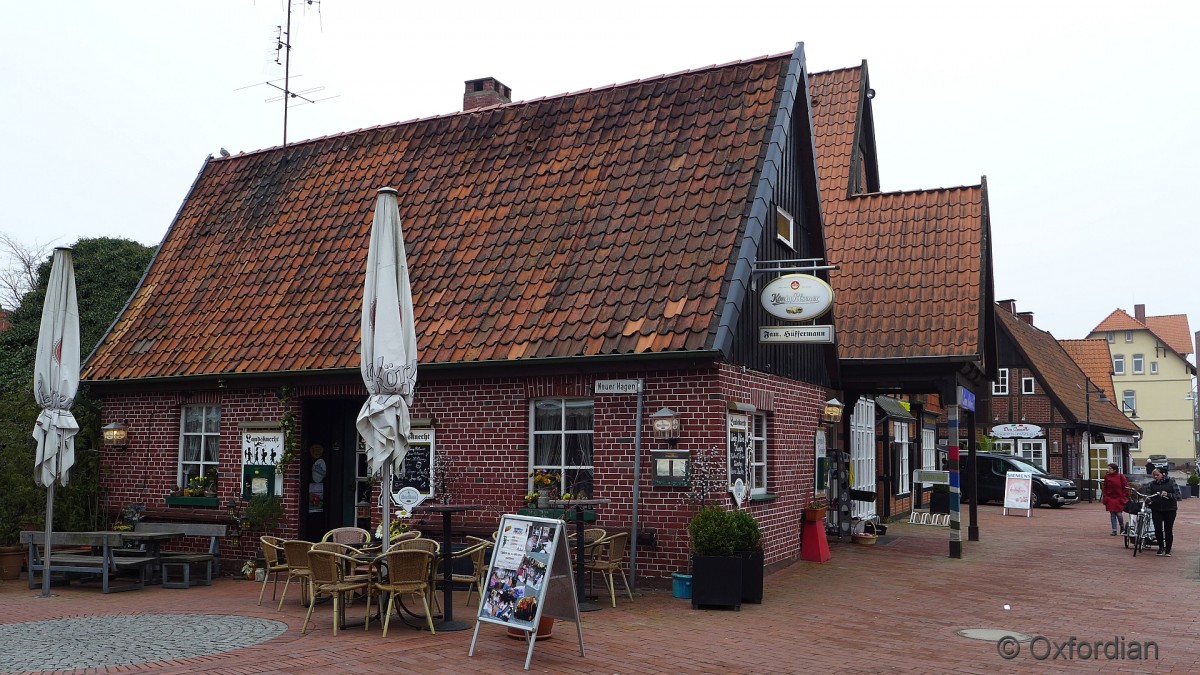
x: 387, y: 507
x: 46, y: 548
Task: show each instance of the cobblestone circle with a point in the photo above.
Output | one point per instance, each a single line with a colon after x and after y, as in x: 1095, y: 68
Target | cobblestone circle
x: 100, y: 641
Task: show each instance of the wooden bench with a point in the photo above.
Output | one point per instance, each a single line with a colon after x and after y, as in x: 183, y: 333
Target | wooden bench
x: 180, y: 562
x: 101, y: 562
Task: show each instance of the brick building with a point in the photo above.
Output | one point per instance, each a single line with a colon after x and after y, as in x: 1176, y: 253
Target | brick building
x: 618, y: 233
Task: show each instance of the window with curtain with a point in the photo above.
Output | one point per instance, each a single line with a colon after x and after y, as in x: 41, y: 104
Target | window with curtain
x: 561, y: 442
x: 199, y: 441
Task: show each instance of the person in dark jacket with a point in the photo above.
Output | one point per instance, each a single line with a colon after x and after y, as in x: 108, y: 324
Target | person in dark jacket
x: 1164, y: 504
x: 1113, y: 494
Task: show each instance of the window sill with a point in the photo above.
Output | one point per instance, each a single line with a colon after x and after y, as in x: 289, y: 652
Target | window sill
x: 764, y: 497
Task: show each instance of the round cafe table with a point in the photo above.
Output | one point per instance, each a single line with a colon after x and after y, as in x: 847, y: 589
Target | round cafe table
x: 580, y: 505
x: 447, y: 511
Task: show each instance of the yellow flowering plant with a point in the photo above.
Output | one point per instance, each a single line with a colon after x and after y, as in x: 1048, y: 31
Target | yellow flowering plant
x: 544, y: 480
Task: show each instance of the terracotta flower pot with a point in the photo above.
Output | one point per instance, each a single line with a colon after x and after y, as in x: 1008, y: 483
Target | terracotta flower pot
x: 814, y: 515
x: 545, y: 630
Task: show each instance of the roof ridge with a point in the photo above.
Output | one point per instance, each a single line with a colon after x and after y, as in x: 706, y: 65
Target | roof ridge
x: 540, y: 99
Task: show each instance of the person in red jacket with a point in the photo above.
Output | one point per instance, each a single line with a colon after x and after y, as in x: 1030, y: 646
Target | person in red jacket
x: 1113, y: 495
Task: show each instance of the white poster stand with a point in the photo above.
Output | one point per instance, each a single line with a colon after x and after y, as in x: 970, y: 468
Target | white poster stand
x: 1018, y: 487
x: 529, y: 577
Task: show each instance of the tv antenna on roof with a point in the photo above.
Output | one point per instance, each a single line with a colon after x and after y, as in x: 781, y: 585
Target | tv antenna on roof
x: 283, y: 55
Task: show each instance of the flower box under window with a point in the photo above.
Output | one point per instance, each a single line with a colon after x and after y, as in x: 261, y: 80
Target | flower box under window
x: 177, y: 500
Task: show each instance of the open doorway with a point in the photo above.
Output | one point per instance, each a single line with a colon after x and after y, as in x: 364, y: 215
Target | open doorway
x: 329, y: 466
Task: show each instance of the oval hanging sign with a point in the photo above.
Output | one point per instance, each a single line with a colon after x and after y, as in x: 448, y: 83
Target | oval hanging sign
x: 796, y: 297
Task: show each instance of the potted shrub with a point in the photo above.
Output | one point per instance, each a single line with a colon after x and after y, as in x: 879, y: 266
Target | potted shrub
x: 263, y: 512
x: 815, y: 511
x: 749, y: 546
x: 716, y: 570
x: 1193, y: 481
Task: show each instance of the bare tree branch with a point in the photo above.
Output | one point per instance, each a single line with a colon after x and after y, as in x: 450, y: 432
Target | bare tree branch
x: 19, y: 273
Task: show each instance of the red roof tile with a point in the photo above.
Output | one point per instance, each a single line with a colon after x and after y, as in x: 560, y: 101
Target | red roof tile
x: 1065, y: 382
x: 913, y: 277
x: 1173, y: 330
x: 591, y: 223
x: 1093, y: 358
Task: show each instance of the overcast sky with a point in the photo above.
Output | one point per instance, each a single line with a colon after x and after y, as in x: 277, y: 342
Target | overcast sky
x: 1080, y: 114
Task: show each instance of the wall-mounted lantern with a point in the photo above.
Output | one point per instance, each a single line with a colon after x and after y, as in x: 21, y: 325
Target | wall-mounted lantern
x: 116, y: 435
x: 833, y: 410
x: 666, y: 425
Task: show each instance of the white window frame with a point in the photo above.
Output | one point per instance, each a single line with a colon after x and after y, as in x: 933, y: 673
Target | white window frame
x: 561, y: 441
x: 758, y: 456
x: 900, y: 429
x: 929, y: 449
x: 784, y: 220
x: 1129, y: 336
x: 1118, y: 361
x: 1139, y: 364
x: 1003, y: 445
x: 1128, y: 401
x: 862, y: 455
x: 1111, y: 337
x: 1000, y: 386
x: 1154, y: 367
x: 1033, y: 450
x: 1028, y: 386
x: 209, y: 443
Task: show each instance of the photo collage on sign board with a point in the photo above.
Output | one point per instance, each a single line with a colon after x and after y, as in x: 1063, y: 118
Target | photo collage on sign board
x: 517, y: 580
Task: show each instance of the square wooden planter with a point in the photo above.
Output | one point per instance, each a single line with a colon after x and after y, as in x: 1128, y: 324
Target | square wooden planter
x: 717, y: 581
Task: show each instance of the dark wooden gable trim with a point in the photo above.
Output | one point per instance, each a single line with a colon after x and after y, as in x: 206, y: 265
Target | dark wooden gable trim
x: 787, y: 179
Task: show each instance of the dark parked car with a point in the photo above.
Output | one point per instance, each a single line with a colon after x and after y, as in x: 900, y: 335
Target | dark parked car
x: 993, y: 468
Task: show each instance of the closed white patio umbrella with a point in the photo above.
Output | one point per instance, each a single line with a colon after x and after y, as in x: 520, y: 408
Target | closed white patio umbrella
x: 55, y: 381
x: 389, y: 348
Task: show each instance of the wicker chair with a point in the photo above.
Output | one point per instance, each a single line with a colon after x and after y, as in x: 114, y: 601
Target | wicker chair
x: 592, y: 537
x: 608, y: 560
x: 328, y: 576
x: 296, y: 553
x: 362, y: 559
x: 354, y: 536
x: 479, y: 564
x: 408, y: 573
x: 272, y: 550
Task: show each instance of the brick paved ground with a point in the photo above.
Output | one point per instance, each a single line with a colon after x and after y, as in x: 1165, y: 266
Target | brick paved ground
x: 893, y: 607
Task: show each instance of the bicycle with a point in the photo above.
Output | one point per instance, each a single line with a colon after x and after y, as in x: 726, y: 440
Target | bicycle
x: 1140, y: 532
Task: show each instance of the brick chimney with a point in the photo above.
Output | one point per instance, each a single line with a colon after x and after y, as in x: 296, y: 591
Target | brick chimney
x: 484, y: 92
x: 1139, y: 313
x: 1027, y: 317
x: 1009, y: 305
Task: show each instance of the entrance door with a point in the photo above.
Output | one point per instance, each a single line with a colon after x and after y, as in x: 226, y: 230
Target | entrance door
x: 1099, y: 455
x: 328, y: 468
x: 862, y: 455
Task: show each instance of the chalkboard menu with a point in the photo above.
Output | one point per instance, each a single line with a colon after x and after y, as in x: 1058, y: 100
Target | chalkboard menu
x: 739, y: 437
x: 417, y: 469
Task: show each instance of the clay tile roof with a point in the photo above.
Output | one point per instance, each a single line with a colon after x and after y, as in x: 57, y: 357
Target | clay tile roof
x: 925, y: 296
x: 1118, y: 320
x: 834, y: 98
x: 1173, y: 330
x: 601, y: 222
x: 1064, y: 381
x: 1093, y: 358
x: 910, y: 272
